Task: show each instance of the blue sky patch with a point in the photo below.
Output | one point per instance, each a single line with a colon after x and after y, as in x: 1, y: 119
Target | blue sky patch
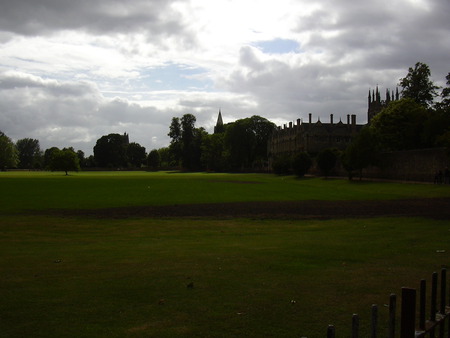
x: 176, y: 77
x: 278, y: 46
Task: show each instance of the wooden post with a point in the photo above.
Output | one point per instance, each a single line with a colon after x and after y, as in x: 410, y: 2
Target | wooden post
x: 392, y: 306
x: 355, y: 325
x: 422, y: 304
x: 331, y: 331
x: 433, y: 307
x: 408, y: 314
x: 442, y: 302
x: 374, y: 321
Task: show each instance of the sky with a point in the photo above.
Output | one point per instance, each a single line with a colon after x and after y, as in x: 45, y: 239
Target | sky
x: 73, y: 71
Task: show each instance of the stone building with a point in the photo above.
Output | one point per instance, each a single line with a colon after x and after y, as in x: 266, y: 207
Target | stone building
x: 313, y: 137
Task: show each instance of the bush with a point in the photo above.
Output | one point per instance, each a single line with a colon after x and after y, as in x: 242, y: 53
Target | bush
x: 326, y: 161
x: 282, y: 165
x: 301, y: 164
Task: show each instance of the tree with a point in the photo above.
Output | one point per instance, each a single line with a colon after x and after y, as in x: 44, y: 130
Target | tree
x: 65, y: 160
x: 418, y: 86
x: 48, y: 154
x: 111, y: 151
x: 400, y: 126
x: 282, y: 164
x: 8, y: 152
x: 136, y: 155
x: 362, y: 152
x: 176, y: 145
x: 246, y: 142
x: 301, y: 164
x: 154, y: 159
x: 213, y: 152
x: 326, y: 160
x: 29, y: 153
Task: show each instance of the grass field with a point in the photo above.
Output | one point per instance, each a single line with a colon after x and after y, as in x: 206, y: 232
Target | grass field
x: 88, y: 277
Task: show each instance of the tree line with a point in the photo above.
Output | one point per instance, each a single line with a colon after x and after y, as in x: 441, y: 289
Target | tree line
x: 413, y: 122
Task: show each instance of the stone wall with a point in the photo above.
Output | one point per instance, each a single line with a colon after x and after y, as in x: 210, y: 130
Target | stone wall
x: 411, y: 165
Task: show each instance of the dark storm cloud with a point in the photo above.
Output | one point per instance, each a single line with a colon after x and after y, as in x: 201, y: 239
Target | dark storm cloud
x: 156, y: 18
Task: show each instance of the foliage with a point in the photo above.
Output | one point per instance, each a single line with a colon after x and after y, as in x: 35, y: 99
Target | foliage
x: 110, y: 151
x: 29, y: 153
x: 8, y: 152
x: 400, y: 126
x: 136, y: 155
x: 176, y: 143
x: 246, y: 142
x: 154, y: 159
x: 418, y: 86
x: 214, y: 156
x: 64, y: 160
x: 326, y: 160
x: 362, y: 152
x: 282, y: 164
x: 301, y: 164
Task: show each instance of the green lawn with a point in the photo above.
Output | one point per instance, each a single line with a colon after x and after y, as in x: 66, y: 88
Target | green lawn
x: 84, y: 277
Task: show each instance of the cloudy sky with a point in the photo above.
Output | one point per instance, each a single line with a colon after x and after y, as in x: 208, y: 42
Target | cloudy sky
x: 72, y: 71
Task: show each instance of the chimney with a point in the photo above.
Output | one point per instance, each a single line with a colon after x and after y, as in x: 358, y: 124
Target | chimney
x: 290, y: 124
x: 298, y: 122
x: 353, y: 120
x: 331, y: 119
x: 310, y: 118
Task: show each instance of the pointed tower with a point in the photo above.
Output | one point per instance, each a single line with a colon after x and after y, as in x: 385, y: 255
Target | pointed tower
x: 219, y: 128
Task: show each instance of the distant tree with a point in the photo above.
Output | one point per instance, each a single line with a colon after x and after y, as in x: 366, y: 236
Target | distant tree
x: 176, y: 144
x: 362, y: 152
x: 48, y: 156
x: 213, y: 152
x: 64, y: 160
x: 400, y: 126
x: 111, y: 151
x: 418, y: 86
x: 190, y: 150
x: 246, y: 142
x: 136, y: 155
x: 165, y: 156
x: 282, y: 164
x: 326, y: 160
x: 154, y: 159
x: 8, y: 152
x: 29, y: 153
x: 301, y: 164
x: 81, y: 158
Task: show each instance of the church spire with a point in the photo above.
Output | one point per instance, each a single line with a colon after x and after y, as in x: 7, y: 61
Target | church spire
x: 219, y: 128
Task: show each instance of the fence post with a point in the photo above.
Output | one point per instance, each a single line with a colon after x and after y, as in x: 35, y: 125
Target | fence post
x: 422, y: 304
x: 442, y: 303
x: 331, y: 331
x: 408, y: 313
x: 355, y: 325
x: 392, y: 306
x: 433, y: 308
x: 374, y: 321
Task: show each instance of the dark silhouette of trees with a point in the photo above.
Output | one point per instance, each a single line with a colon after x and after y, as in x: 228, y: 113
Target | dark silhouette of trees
x: 29, y: 153
x: 282, y: 164
x: 154, y: 159
x: 176, y: 145
x: 326, y: 160
x: 418, y: 86
x: 301, y: 163
x: 214, y: 157
x: 64, y: 160
x: 111, y: 151
x: 8, y: 152
x: 136, y: 155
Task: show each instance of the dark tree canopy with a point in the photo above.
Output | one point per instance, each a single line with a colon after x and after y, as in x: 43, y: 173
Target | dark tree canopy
x: 64, y: 160
x: 8, y: 152
x: 400, y: 126
x: 301, y: 164
x: 136, y: 155
x: 326, y: 160
x: 418, y: 86
x: 29, y: 153
x: 154, y: 159
x: 111, y: 151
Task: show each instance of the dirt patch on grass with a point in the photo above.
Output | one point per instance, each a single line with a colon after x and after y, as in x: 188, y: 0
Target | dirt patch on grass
x: 438, y: 208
